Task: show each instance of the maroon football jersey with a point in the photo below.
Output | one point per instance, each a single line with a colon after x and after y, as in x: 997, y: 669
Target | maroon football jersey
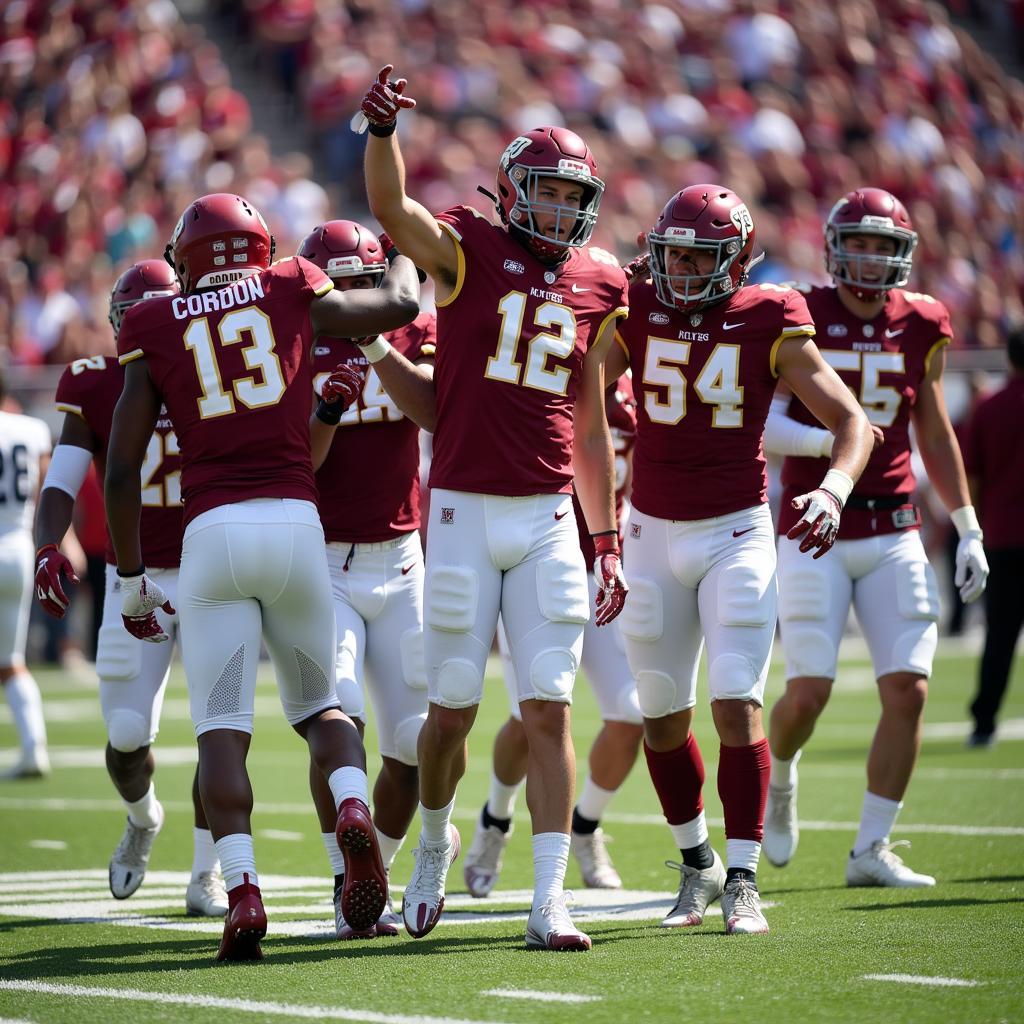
x: 620, y: 408
x: 511, y: 341
x: 234, y: 368
x: 704, y: 382
x: 89, y: 388
x: 883, y: 361
x: 370, y: 481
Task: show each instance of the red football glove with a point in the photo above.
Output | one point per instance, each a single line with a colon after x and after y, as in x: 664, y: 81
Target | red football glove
x: 819, y: 523
x: 344, y: 385
x: 51, y: 564
x: 384, y: 100
x: 140, y: 598
x: 637, y: 267
x: 611, y: 584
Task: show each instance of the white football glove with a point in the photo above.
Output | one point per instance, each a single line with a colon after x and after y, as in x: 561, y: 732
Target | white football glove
x: 819, y: 523
x: 971, y: 564
x: 140, y: 598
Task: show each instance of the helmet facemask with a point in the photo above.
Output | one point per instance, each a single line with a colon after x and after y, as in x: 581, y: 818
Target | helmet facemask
x: 848, y: 267
x: 694, y: 291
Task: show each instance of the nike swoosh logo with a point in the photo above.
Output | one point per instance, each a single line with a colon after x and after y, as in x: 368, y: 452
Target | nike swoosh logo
x: 408, y: 568
x: 561, y: 515
x: 729, y: 327
x: 577, y: 289
x: 893, y: 334
x: 739, y: 533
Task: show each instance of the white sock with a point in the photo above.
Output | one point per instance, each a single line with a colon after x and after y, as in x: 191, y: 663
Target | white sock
x: 784, y: 772
x: 690, y: 833
x: 435, y: 831
x: 237, y: 860
x: 333, y: 853
x: 550, y: 859
x: 501, y: 799
x: 389, y: 847
x: 27, y: 710
x: 742, y: 853
x: 348, y: 782
x: 145, y: 812
x: 877, y: 819
x: 593, y: 800
x: 204, y: 853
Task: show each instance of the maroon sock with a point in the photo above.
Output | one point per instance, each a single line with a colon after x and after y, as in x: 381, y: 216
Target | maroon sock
x: 743, y: 786
x: 678, y: 777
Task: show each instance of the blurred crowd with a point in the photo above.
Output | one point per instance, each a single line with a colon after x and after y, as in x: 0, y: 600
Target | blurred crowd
x: 114, y: 114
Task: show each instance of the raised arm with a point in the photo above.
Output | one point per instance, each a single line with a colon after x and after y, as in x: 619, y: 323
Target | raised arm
x: 359, y: 312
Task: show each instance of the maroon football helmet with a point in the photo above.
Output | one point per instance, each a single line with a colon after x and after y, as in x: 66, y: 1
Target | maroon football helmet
x: 869, y: 211
x: 548, y: 153
x: 219, y: 238
x: 707, y: 217
x: 344, y: 248
x: 143, y: 280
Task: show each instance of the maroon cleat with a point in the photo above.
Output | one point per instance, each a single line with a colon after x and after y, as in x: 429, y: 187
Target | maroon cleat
x: 244, y: 924
x: 365, y: 891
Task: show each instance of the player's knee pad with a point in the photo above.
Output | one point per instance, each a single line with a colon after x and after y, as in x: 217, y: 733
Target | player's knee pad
x: 914, y: 649
x: 917, y: 594
x: 553, y: 672
x: 656, y: 693
x: 804, y: 594
x: 118, y: 653
x: 562, y: 593
x: 746, y: 598
x: 351, y: 697
x: 414, y: 666
x: 406, y: 735
x: 732, y: 677
x: 809, y: 650
x: 643, y: 615
x: 452, y: 594
x: 458, y: 683
x: 127, y: 730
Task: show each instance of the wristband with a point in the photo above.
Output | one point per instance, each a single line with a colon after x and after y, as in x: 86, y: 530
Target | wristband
x: 330, y: 412
x: 137, y: 573
x: 382, y: 131
x: 965, y: 520
x: 376, y: 350
x: 608, y: 546
x: 838, y: 484
x: 46, y: 547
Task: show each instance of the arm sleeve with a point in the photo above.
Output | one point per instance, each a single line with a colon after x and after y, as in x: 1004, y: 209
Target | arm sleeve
x: 68, y: 469
x: 785, y: 436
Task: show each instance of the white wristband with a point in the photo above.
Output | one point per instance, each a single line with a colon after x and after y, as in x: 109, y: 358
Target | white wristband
x: 376, y: 350
x: 68, y: 468
x: 838, y: 483
x: 966, y: 521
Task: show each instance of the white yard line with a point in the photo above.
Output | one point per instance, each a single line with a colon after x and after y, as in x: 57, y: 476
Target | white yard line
x: 281, y: 834
x: 265, y: 1009
x: 541, y: 997
x: 923, y: 979
x: 47, y: 844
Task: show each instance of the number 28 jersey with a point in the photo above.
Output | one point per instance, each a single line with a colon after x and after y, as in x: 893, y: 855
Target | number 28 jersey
x: 511, y: 340
x: 23, y: 440
x: 234, y: 368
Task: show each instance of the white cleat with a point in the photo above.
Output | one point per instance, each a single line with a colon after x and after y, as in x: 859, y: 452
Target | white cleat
x: 741, y: 908
x: 128, y: 865
x: 423, y: 900
x: 781, y: 828
x: 482, y: 866
x: 878, y: 865
x: 34, y: 763
x: 390, y: 923
x: 698, y: 887
x: 591, y: 852
x: 550, y: 927
x: 206, y: 896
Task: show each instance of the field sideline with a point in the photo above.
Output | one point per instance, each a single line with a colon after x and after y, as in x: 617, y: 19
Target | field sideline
x: 69, y: 952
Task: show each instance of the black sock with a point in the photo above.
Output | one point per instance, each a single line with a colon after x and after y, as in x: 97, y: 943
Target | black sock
x: 501, y: 824
x: 583, y: 826
x: 339, y: 881
x: 699, y: 857
x: 748, y: 876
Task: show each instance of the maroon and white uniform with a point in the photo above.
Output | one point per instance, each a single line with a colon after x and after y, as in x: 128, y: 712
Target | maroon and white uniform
x: 511, y: 341
x: 133, y: 674
x: 700, y: 553
x: 878, y: 562
x: 234, y: 369
x: 369, y: 488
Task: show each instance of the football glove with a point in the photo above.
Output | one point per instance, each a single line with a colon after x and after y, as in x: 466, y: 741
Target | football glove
x: 611, y: 584
x: 140, y: 598
x: 971, y: 564
x: 341, y: 390
x: 51, y: 565
x: 383, y: 101
x: 637, y: 267
x: 819, y: 523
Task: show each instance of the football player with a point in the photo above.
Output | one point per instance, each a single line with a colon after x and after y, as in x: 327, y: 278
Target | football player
x: 887, y: 344
x: 230, y: 358
x: 371, y: 522
x: 133, y: 675
x: 526, y: 312
x: 24, y: 448
x: 707, y: 351
x: 615, y: 748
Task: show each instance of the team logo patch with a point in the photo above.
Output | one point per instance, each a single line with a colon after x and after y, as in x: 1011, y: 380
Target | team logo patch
x: 549, y: 277
x: 515, y: 267
x: 837, y: 330
x: 447, y: 516
x: 869, y: 331
x: 659, y: 318
x: 321, y: 351
x: 634, y: 530
x: 695, y: 319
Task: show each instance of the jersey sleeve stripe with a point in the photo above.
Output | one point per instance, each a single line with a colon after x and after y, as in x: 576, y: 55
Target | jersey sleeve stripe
x: 129, y: 357
x: 620, y: 312
x: 460, y: 273
x: 327, y: 286
x: 804, y: 330
x: 68, y: 407
x: 622, y: 343
x: 931, y: 352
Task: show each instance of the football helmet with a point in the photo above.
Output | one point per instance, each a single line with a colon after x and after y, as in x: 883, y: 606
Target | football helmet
x: 143, y: 280
x: 708, y: 217
x: 548, y: 153
x: 219, y: 239
x: 869, y: 211
x: 344, y: 248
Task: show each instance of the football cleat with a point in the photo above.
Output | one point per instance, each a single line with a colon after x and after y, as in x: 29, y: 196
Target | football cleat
x: 342, y: 929
x: 741, y: 908
x: 550, y: 927
x: 390, y: 922
x: 483, y: 859
x: 781, y: 828
x: 878, y: 865
x: 365, y: 889
x: 128, y: 865
x: 596, y: 866
x: 33, y: 764
x: 244, y: 924
x: 698, y: 887
x: 423, y: 900
x: 206, y: 896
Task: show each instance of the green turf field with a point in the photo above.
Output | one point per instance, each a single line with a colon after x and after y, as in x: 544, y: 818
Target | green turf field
x: 68, y: 952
